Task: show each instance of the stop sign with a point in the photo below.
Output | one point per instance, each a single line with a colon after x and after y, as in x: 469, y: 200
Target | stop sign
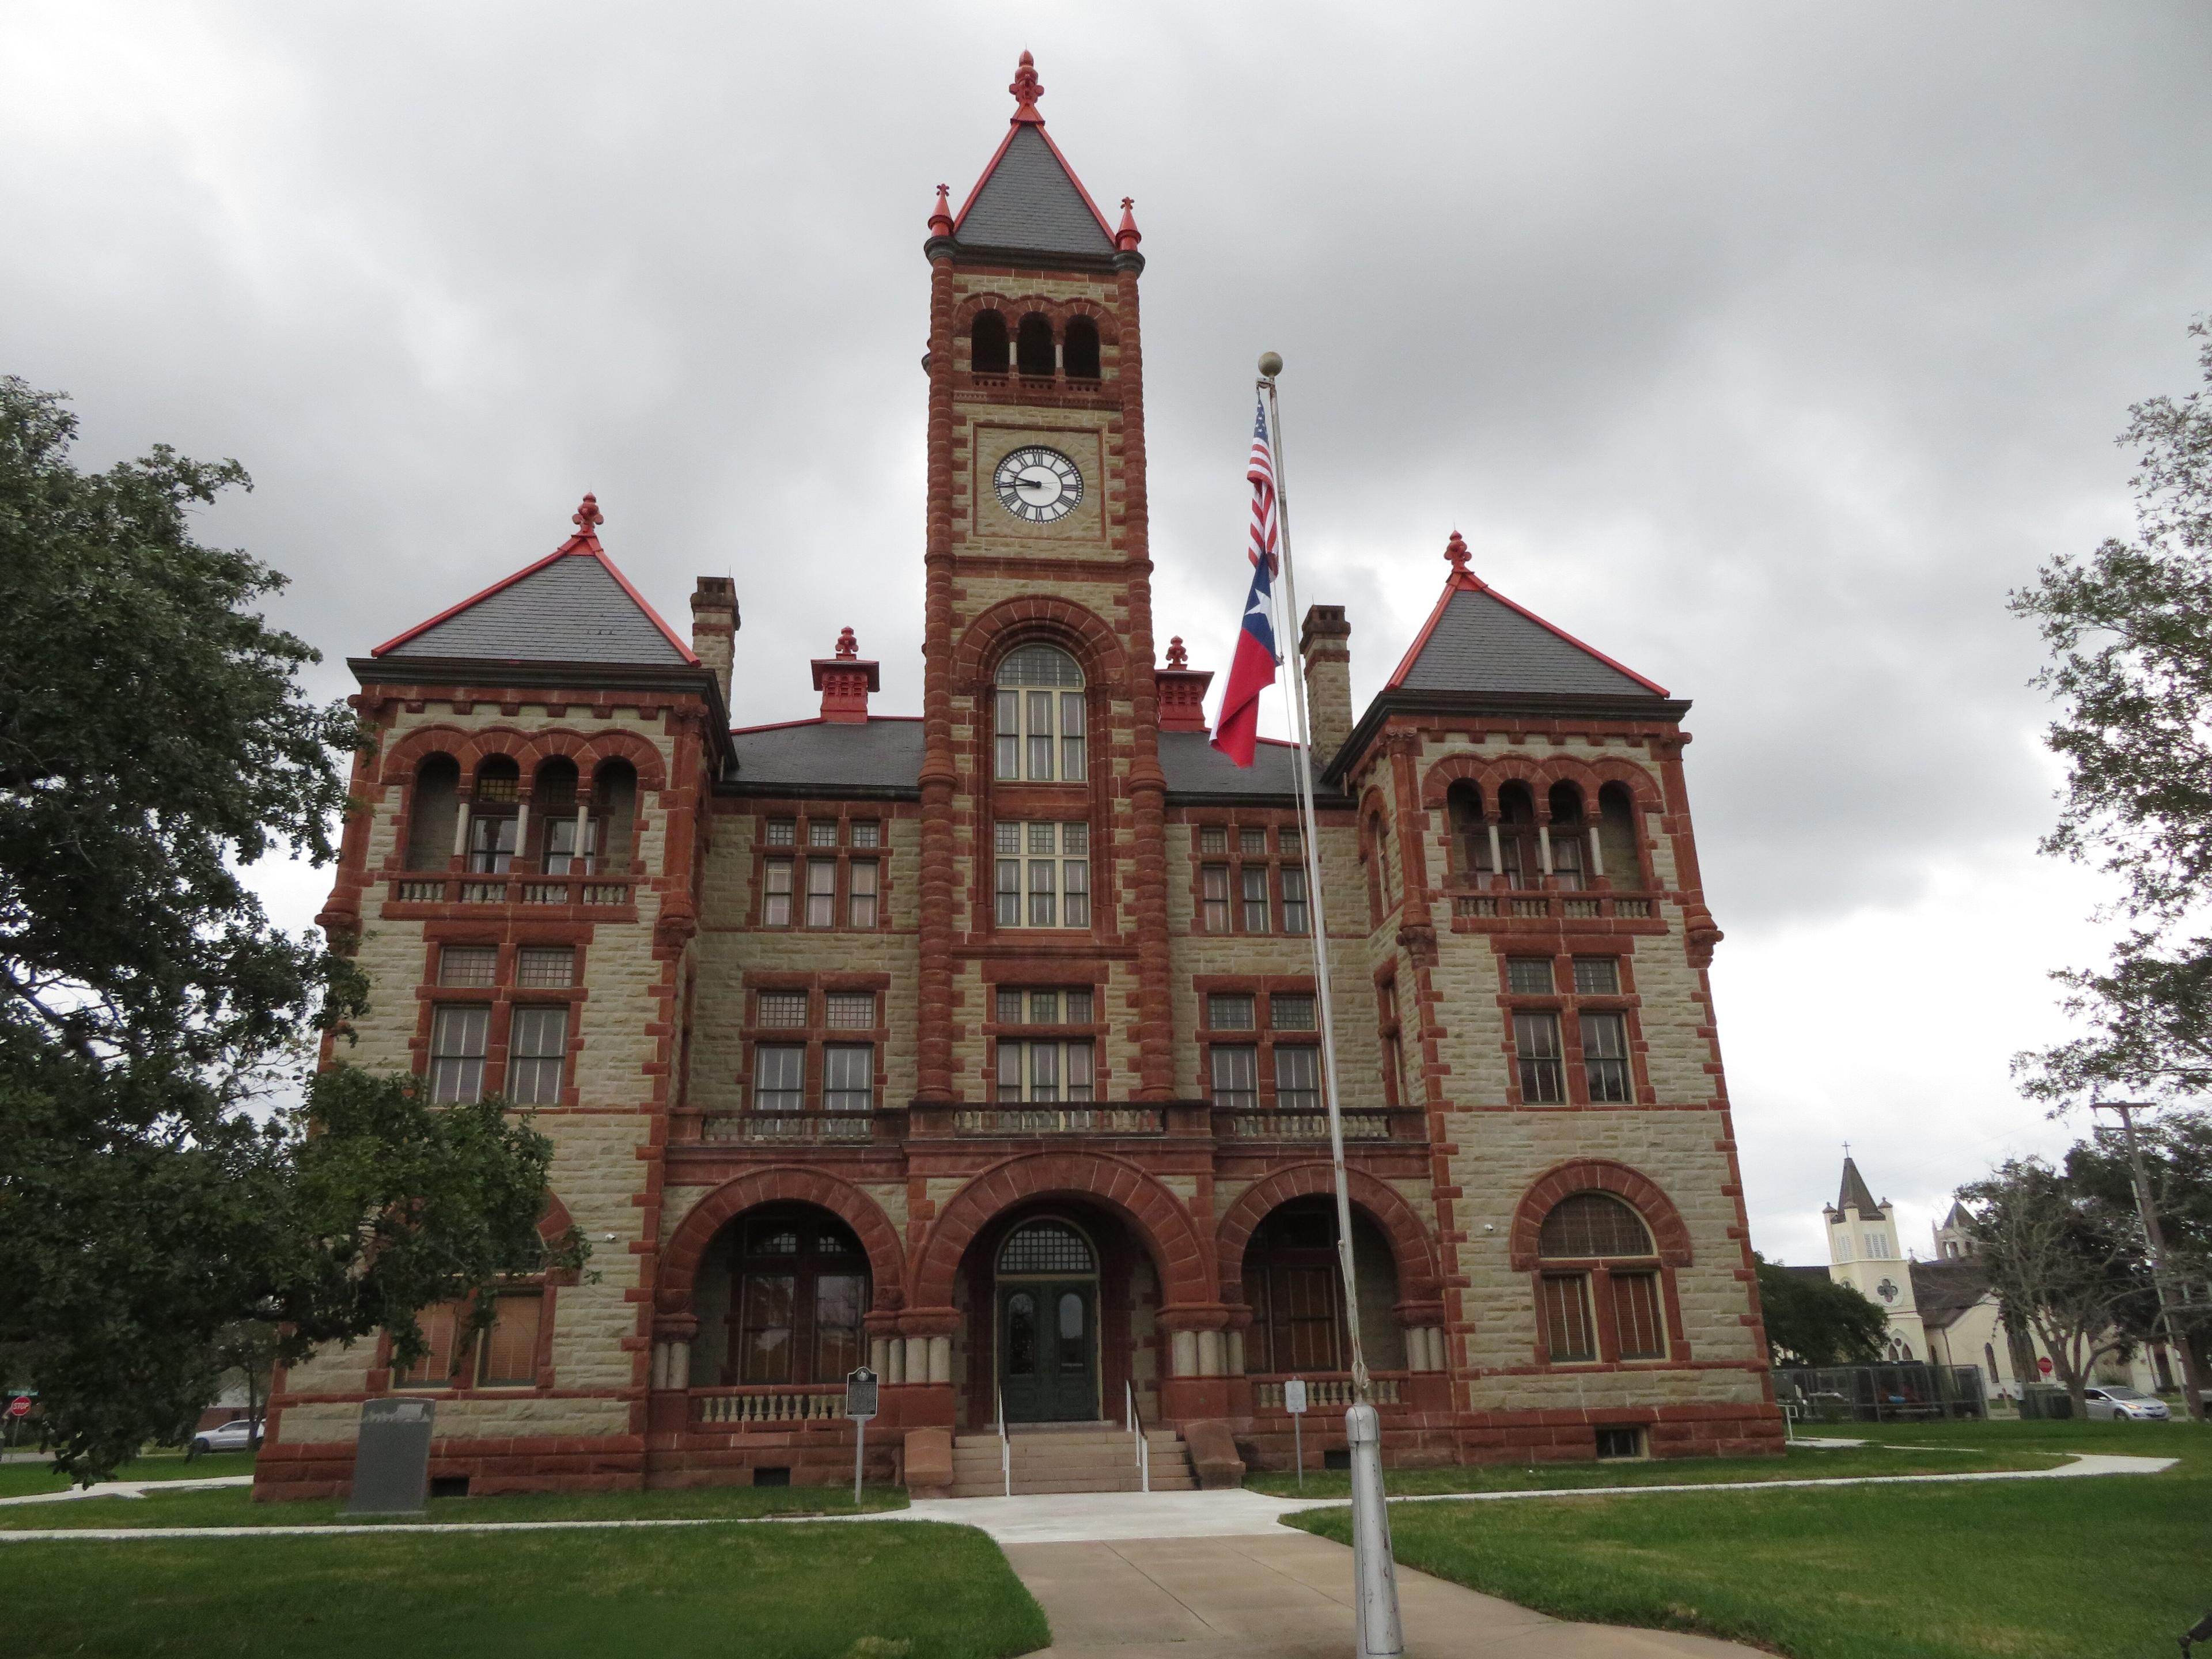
x: 20, y: 1405
x: 2044, y: 1365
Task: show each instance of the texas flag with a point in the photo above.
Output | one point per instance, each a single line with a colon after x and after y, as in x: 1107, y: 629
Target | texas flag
x: 1252, y: 670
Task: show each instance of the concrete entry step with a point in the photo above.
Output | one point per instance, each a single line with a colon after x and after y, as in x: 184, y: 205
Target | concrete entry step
x: 1085, y: 1457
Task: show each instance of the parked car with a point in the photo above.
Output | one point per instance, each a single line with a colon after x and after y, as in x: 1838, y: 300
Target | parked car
x: 2113, y: 1403
x: 245, y: 1436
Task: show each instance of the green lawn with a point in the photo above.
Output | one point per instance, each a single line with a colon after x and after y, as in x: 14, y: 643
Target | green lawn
x: 2115, y: 1566
x: 889, y: 1590
x: 23, y: 1479
x: 1802, y: 1463
x: 233, y: 1506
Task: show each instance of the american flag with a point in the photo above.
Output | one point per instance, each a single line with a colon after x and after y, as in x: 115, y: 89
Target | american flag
x: 1252, y: 669
x: 1262, y: 472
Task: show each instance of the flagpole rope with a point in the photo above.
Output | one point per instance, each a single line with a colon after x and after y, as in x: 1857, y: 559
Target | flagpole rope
x: 1318, y: 908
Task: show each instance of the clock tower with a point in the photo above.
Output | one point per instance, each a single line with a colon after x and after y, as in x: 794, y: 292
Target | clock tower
x: 1042, y: 799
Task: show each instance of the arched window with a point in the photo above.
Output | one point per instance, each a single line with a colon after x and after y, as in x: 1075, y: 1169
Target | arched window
x: 1619, y: 863
x: 434, y: 805
x: 1599, y: 1290
x: 1568, y: 837
x: 614, y: 813
x: 1048, y: 1248
x: 1081, y: 349
x: 1041, y: 728
x: 1470, y: 833
x: 798, y: 1294
x: 494, y: 814
x: 1382, y: 883
x: 1033, y: 346
x: 1517, y: 835
x: 554, y: 814
x: 1295, y: 1290
x: 987, y: 337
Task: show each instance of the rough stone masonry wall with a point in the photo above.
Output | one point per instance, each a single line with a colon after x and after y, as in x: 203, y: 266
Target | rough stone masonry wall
x: 596, y: 1170
x: 731, y: 945
x: 1679, y: 1142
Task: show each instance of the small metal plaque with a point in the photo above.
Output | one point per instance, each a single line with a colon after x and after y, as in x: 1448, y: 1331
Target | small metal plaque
x: 1294, y: 1396
x: 860, y: 1394
x: 392, y: 1461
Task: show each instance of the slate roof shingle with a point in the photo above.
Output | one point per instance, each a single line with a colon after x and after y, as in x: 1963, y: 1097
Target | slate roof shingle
x: 1192, y: 766
x: 831, y: 755
x: 1479, y: 641
x: 1029, y: 201
x: 1855, y: 1195
x: 571, y: 609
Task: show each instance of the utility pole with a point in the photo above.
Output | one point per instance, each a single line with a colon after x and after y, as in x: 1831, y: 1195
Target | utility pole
x: 2192, y: 1385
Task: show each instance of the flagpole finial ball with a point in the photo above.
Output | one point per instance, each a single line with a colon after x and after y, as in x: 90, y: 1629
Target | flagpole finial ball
x: 1271, y: 363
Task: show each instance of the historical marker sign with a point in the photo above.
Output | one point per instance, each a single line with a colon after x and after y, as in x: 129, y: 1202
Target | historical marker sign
x: 859, y: 1406
x: 392, y: 1461
x: 860, y: 1394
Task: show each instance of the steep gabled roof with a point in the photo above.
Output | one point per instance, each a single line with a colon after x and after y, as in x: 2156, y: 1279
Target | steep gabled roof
x: 1029, y: 199
x: 572, y: 607
x: 1476, y: 639
x: 1944, y: 1290
x: 1855, y: 1195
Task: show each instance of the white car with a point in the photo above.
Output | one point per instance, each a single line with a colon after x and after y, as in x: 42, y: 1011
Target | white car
x: 2113, y: 1403
x: 244, y: 1436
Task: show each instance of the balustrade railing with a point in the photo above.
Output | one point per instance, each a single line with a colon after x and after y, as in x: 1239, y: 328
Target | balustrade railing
x: 1060, y: 1120
x: 1192, y: 1122
x: 1573, y: 907
x: 596, y: 891
x: 745, y: 1407
x: 807, y: 1128
x: 1305, y: 1126
x: 1334, y: 1391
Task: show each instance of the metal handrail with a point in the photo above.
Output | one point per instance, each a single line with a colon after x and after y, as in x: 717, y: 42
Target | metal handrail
x: 1134, y: 1420
x: 1006, y: 1446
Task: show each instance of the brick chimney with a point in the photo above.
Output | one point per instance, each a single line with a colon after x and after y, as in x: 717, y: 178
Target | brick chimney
x: 845, y: 681
x: 1325, y: 649
x: 1181, y: 690
x: 715, y: 627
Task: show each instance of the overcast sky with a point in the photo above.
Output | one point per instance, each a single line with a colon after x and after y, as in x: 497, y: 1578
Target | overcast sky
x: 1764, y: 347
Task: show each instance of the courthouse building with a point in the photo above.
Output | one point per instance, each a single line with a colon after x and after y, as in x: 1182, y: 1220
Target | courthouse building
x: 981, y: 1044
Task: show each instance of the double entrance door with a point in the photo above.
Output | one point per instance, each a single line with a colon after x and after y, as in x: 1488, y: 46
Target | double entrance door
x: 1048, y: 1350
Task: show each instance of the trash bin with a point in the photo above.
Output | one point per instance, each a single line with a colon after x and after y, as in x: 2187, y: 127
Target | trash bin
x: 2046, y: 1401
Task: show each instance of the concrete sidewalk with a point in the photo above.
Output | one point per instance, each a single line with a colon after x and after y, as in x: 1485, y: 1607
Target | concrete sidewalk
x: 1288, y: 1595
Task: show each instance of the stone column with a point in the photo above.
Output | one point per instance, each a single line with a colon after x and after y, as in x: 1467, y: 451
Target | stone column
x: 1147, y: 784
x: 939, y: 776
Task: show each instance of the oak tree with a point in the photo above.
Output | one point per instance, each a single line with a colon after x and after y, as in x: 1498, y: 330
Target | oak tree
x: 163, y: 1170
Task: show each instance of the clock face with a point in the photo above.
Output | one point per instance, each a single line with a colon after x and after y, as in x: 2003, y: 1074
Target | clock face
x: 1038, y: 485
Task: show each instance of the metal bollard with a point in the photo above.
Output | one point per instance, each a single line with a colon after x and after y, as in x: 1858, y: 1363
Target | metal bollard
x: 1375, y: 1575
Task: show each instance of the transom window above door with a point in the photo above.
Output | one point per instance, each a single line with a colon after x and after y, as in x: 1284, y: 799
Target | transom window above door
x: 1040, y: 726
x: 1046, y: 1247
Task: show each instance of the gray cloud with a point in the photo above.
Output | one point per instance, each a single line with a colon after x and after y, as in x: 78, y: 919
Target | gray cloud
x: 1765, y: 349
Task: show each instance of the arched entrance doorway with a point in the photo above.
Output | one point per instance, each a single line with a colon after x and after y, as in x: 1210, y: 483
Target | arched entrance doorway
x: 782, y: 1293
x: 1046, y: 1293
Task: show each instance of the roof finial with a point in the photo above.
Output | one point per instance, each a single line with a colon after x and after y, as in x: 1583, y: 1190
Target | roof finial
x: 1455, y: 551
x: 1126, y: 238
x: 940, y: 222
x: 588, y: 514
x: 1027, y: 89
x: 1177, y: 657
x: 848, y: 648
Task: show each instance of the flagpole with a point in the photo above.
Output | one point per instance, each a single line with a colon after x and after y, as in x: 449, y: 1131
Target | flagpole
x: 1379, y: 1635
